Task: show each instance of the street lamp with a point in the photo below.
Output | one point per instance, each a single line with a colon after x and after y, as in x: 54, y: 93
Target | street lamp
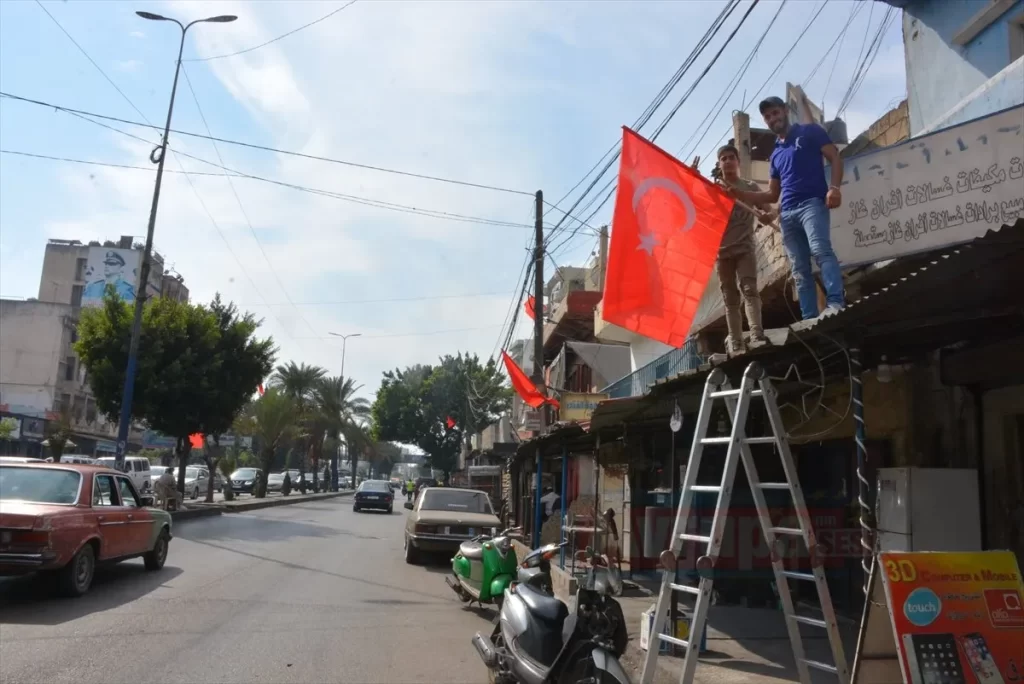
x: 341, y: 397
x: 140, y: 297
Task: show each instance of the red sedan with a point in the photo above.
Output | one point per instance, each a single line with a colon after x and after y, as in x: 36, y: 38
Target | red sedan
x: 66, y: 518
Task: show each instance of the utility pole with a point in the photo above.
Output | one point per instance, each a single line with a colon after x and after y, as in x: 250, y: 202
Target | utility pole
x: 341, y: 397
x: 538, y: 313
x: 147, y: 255
x: 538, y: 354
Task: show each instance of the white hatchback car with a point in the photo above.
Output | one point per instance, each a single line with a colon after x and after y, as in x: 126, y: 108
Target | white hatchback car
x: 135, y: 467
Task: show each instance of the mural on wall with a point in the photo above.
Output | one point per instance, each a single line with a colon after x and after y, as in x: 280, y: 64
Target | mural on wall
x: 111, y: 266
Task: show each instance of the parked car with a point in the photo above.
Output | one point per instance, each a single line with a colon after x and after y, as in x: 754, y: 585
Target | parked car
x: 135, y: 467
x: 243, y: 480
x: 444, y: 517
x: 373, y: 494
x: 81, y: 459
x: 66, y: 518
x: 275, y: 481
x: 197, y: 481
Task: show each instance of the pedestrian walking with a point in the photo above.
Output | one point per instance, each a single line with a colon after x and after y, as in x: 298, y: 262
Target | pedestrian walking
x: 798, y: 177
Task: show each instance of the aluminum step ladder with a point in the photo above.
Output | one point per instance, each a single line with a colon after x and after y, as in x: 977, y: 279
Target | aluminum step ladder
x: 755, y: 384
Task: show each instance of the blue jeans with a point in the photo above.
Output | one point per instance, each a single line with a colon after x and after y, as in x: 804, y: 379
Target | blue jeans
x: 805, y: 233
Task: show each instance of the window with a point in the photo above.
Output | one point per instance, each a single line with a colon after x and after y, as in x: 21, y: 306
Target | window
x: 463, y: 501
x: 80, y: 269
x: 90, y: 411
x: 76, y: 295
x: 39, y: 485
x: 129, y: 498
x: 1016, y: 28
x: 103, y: 491
x: 69, y: 368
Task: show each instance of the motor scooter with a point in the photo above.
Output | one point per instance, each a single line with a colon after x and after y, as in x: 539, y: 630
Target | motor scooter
x: 484, y: 567
x: 537, y: 639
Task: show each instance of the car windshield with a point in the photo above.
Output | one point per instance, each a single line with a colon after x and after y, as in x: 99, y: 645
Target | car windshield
x: 192, y: 473
x: 455, y: 500
x: 39, y: 485
x: 244, y: 474
x: 374, y: 486
x: 276, y: 476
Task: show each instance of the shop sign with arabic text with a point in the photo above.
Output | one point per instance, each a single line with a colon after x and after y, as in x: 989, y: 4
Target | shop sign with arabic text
x: 941, y: 189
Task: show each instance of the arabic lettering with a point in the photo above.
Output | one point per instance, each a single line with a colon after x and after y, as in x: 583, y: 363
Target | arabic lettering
x: 858, y: 210
x: 1016, y: 168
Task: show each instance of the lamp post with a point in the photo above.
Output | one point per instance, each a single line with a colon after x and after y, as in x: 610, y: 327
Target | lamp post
x: 341, y: 397
x: 140, y: 296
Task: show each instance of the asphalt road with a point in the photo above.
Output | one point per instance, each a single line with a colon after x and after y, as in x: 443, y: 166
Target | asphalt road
x: 309, y: 593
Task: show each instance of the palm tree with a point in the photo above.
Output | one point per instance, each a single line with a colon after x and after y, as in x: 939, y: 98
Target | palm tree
x: 337, y: 410
x: 300, y: 381
x: 273, y: 417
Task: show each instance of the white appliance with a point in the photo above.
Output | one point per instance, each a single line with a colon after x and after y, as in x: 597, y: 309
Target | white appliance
x: 928, y: 509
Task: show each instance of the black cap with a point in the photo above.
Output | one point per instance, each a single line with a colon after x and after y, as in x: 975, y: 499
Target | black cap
x: 770, y: 102
x: 114, y: 259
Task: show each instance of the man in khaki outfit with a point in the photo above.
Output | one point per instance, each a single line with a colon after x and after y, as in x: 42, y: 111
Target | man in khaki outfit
x: 737, y: 260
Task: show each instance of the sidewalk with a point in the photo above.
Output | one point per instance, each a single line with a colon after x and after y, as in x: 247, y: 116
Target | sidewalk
x: 744, y: 645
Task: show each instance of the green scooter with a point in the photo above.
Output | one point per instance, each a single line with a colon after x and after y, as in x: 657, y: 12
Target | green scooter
x: 484, y: 567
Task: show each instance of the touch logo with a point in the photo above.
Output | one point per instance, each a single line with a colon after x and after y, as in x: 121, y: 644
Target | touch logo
x: 922, y: 607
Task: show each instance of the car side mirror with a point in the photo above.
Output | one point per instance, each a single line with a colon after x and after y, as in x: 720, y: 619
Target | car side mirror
x: 408, y: 505
x: 148, y: 501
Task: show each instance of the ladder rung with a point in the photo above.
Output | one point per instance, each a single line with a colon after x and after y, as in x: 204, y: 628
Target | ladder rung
x: 695, y: 538
x: 682, y: 643
x: 774, y: 485
x: 793, y: 531
x: 745, y: 440
x: 686, y: 589
x: 721, y: 394
x: 805, y: 576
x: 824, y: 667
x: 706, y: 488
x: 716, y: 440
x: 814, y: 622
x: 760, y: 440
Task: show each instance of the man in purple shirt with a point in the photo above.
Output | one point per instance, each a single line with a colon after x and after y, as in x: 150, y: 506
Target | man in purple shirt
x: 798, y: 177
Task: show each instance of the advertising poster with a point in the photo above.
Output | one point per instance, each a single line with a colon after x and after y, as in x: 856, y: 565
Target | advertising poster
x: 958, y: 618
x: 111, y: 266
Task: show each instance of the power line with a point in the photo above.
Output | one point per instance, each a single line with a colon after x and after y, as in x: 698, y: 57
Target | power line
x: 266, y: 148
x: 413, y: 334
x: 390, y: 300
x: 380, y: 204
x: 189, y: 179
x: 238, y: 199
x: 273, y: 40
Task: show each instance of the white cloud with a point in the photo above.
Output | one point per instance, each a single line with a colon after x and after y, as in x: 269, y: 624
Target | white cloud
x: 128, y: 66
x: 137, y: 34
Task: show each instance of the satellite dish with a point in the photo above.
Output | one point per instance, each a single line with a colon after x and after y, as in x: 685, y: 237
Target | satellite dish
x: 676, y: 423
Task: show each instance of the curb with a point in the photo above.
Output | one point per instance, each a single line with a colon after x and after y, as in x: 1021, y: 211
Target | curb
x: 280, y: 501
x: 190, y: 513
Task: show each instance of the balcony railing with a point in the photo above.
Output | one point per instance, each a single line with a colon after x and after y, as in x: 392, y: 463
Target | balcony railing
x: 639, y: 382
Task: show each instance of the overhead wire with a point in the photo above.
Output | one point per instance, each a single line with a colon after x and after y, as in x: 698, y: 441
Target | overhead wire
x: 768, y: 80
x: 267, y: 148
x: 273, y: 40
x: 241, y: 207
x: 195, y: 190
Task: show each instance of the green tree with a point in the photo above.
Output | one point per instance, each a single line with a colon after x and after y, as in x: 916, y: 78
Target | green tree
x: 180, y: 385
x: 414, y: 406
x: 7, y: 427
x: 274, y: 419
x: 300, y: 381
x: 239, y: 365
x: 58, y: 433
x: 337, y: 409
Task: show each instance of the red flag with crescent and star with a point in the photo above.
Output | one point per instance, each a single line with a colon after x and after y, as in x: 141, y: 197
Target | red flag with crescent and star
x: 523, y: 386
x: 666, y: 231
x: 530, y: 307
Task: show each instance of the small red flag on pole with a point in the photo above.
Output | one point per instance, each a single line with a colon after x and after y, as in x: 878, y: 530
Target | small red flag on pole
x: 196, y: 440
x: 259, y: 388
x: 523, y: 386
x: 450, y: 422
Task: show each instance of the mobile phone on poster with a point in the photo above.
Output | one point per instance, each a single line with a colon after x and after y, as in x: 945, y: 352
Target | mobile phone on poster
x: 933, y: 659
x: 980, y: 658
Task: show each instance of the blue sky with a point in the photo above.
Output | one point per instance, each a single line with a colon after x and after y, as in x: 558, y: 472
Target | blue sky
x: 520, y: 95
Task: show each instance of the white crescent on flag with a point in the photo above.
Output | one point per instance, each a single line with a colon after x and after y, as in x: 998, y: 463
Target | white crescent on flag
x: 649, y: 184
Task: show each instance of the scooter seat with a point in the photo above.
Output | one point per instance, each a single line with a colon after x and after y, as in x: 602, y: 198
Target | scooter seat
x: 472, y: 550
x: 542, y: 605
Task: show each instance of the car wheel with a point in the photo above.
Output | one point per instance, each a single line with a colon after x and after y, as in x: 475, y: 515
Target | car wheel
x: 75, y: 578
x: 355, y: 509
x: 195, y: 494
x: 412, y: 557
x: 156, y: 558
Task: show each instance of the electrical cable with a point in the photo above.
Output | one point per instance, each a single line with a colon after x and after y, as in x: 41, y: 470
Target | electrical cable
x: 273, y: 40
x: 266, y: 148
x: 710, y: 117
x: 241, y: 207
x: 842, y: 38
x: 178, y: 161
x: 768, y: 80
